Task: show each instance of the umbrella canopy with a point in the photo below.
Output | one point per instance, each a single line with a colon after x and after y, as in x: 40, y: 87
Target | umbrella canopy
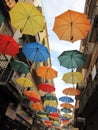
x: 8, y: 46
x: 42, y: 114
x: 73, y: 77
x: 50, y: 97
x: 66, y: 105
x: 26, y: 18
x: 37, y: 106
x: 20, y: 66
x: 71, y: 26
x: 71, y: 91
x: 72, y: 59
x: 35, y: 52
x: 46, y: 87
x: 66, y: 110
x: 69, y: 116
x: 54, y: 115
x: 24, y: 82
x: 51, y: 109
x: 50, y: 103
x: 32, y: 95
x: 46, y: 72
x: 66, y: 99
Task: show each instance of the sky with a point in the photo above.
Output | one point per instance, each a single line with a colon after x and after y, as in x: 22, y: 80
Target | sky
x: 53, y: 8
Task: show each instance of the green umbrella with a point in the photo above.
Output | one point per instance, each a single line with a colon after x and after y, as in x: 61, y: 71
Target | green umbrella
x: 20, y: 66
x: 50, y: 97
x: 66, y: 110
x: 72, y: 59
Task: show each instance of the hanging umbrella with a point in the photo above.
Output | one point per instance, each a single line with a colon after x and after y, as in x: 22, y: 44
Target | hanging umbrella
x: 73, y: 77
x: 66, y: 99
x: 51, y: 109
x: 71, y: 26
x: 71, y: 91
x: 54, y: 115
x: 25, y: 82
x: 66, y: 110
x: 69, y: 116
x: 50, y: 97
x: 72, y: 59
x: 37, y: 106
x: 63, y: 117
x: 20, y: 66
x: 46, y: 72
x: 32, y: 95
x: 42, y: 114
x: 27, y: 18
x: 66, y: 105
x: 8, y: 46
x: 48, y: 122
x: 50, y: 103
x: 35, y: 52
x: 46, y: 87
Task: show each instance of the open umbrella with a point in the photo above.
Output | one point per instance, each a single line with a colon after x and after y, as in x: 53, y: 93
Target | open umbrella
x: 27, y: 18
x: 66, y: 105
x: 54, y: 115
x: 71, y: 26
x: 66, y: 110
x: 72, y: 59
x: 46, y: 87
x: 25, y: 82
x: 20, y: 66
x: 35, y: 52
x: 42, y: 114
x: 8, y: 46
x: 50, y: 97
x: 66, y: 99
x: 51, y: 109
x: 32, y: 95
x: 50, y: 103
x: 71, y: 91
x: 37, y: 106
x: 73, y: 77
x: 46, y: 72
x: 67, y: 115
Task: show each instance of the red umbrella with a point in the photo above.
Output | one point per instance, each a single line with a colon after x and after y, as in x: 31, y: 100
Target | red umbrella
x: 54, y: 115
x: 46, y: 87
x: 8, y: 46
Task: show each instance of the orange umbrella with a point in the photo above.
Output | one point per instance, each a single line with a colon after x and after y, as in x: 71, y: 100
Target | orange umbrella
x: 71, y: 26
x: 66, y: 105
x: 37, y: 106
x: 71, y: 91
x: 46, y: 72
x: 33, y: 96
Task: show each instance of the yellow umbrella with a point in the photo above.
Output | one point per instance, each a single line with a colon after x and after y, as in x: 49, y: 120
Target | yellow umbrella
x: 73, y: 77
x: 50, y: 103
x: 24, y: 82
x: 27, y: 18
x: 67, y: 115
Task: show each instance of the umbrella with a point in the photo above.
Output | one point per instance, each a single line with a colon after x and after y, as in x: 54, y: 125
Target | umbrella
x: 50, y: 103
x: 66, y: 105
x: 48, y: 122
x: 51, y: 109
x: 73, y: 77
x: 50, y: 97
x: 54, y: 115
x: 46, y: 72
x: 66, y: 110
x: 32, y: 95
x: 8, y: 46
x: 71, y: 26
x: 27, y: 18
x: 63, y: 117
x: 20, y: 66
x: 67, y: 115
x: 35, y: 52
x: 72, y: 59
x: 25, y: 82
x: 46, y: 87
x: 42, y: 114
x: 37, y: 106
x: 66, y: 99
x: 71, y: 91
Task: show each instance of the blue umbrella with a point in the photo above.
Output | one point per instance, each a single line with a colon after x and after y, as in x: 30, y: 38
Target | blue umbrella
x: 63, y: 117
x: 66, y: 99
x: 35, y: 52
x: 51, y: 109
x: 66, y: 110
